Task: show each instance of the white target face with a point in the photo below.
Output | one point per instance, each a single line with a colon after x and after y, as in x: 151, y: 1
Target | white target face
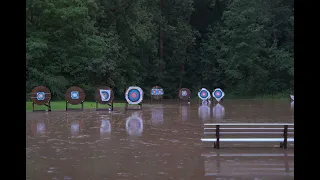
x: 204, y: 94
x: 134, y: 95
x: 134, y: 125
x: 218, y: 94
x: 218, y: 112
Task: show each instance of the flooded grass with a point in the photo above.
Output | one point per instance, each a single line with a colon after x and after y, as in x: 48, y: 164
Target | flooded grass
x: 61, y: 105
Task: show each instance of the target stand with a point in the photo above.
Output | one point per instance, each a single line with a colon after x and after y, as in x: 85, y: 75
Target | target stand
x: 104, y: 95
x: 184, y: 95
x: 75, y: 96
x: 134, y: 97
x: 40, y: 95
x: 156, y: 93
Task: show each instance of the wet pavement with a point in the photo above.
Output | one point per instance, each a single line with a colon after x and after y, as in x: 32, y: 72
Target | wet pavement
x: 157, y: 142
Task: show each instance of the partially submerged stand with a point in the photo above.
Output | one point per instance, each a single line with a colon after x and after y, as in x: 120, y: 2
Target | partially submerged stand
x: 130, y: 106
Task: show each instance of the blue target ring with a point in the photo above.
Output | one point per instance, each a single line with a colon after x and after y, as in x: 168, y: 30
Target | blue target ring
x: 204, y: 93
x: 74, y: 95
x: 105, y: 94
x: 134, y: 95
x: 41, y: 96
x: 217, y: 93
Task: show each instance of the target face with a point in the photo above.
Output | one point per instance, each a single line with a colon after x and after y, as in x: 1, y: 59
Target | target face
x: 218, y: 111
x: 74, y: 95
x: 41, y: 96
x: 184, y: 93
x: 157, y: 92
x: 134, y: 95
x: 105, y: 95
x: 134, y: 125
x: 41, y: 128
x: 204, y: 94
x: 218, y: 94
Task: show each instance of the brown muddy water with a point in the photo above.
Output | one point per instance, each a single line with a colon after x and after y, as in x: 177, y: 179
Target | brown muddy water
x: 157, y: 142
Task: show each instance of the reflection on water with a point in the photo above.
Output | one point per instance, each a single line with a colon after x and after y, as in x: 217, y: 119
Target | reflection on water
x: 292, y: 104
x: 204, y: 112
x: 157, y: 116
x: 170, y: 151
x: 134, y: 125
x: 218, y: 112
x: 183, y: 112
x: 256, y: 163
x: 105, y: 129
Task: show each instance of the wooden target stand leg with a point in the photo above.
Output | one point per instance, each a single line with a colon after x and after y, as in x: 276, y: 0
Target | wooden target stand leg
x: 128, y: 105
x: 152, y: 100
x: 68, y: 109
x: 48, y: 106
x: 102, y: 109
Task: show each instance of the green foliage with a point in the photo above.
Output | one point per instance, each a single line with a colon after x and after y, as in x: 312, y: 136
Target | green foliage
x: 242, y: 46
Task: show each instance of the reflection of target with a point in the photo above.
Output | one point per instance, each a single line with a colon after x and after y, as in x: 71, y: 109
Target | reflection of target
x: 75, y: 128
x: 218, y: 94
x: 292, y: 104
x: 105, y: 128
x: 157, y: 116
x: 41, y: 128
x: 74, y: 95
x: 218, y: 111
x: 184, y: 112
x: 41, y: 96
x: 204, y: 112
x: 134, y: 95
x: 134, y: 125
x: 204, y: 94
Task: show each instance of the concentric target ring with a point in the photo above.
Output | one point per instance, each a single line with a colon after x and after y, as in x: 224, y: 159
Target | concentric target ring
x: 134, y: 95
x: 204, y: 94
x: 218, y: 94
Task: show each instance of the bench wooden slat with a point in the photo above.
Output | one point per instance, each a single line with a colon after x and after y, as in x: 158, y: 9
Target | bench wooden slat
x: 246, y: 139
x: 246, y: 155
x: 266, y: 133
x: 249, y: 124
x: 248, y: 128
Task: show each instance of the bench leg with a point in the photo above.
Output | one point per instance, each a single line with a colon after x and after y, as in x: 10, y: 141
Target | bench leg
x: 215, y: 145
x: 281, y: 145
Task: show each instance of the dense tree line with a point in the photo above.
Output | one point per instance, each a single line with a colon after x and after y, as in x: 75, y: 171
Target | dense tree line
x: 243, y: 46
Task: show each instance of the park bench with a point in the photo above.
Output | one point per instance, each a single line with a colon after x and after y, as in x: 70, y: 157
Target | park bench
x: 249, y: 132
x: 242, y: 162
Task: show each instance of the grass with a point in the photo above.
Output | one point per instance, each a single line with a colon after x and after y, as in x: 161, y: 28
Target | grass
x: 61, y: 105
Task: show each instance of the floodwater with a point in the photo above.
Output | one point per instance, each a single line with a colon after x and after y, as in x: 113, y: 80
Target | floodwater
x: 157, y: 142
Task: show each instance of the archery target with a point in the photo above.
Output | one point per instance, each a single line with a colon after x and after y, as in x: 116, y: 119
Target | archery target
x: 134, y: 125
x: 184, y: 93
x: 41, y: 96
x: 157, y: 92
x: 204, y: 112
x: 105, y: 94
x: 134, y: 95
x: 218, y: 94
x: 74, y: 95
x: 218, y: 111
x: 41, y: 128
x: 204, y: 94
